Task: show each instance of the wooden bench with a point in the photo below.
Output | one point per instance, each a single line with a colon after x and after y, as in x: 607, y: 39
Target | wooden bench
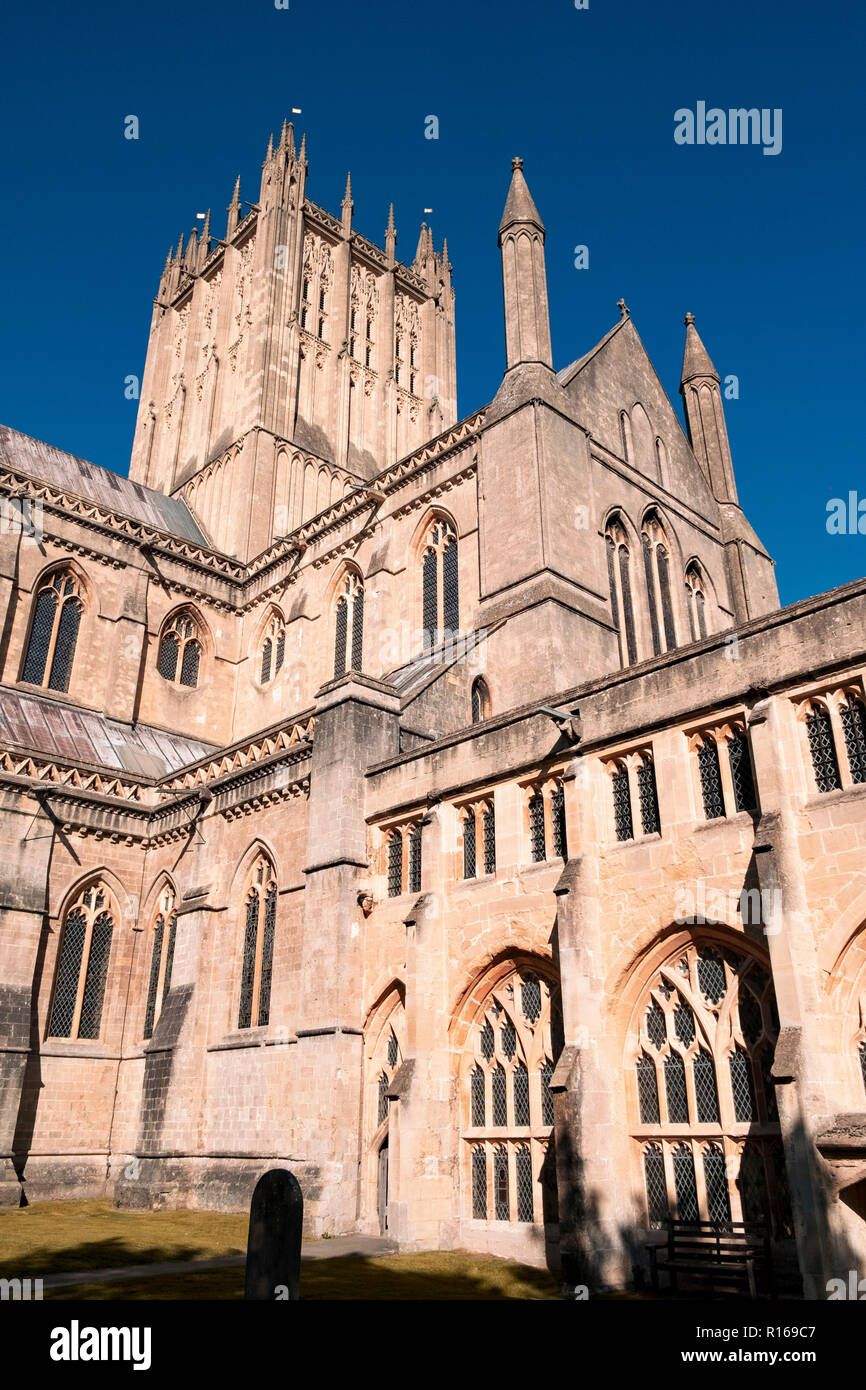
x: 731, y: 1253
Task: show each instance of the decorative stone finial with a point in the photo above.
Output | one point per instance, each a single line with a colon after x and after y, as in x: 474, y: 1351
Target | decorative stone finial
x: 688, y: 320
x: 623, y: 308
x: 517, y: 162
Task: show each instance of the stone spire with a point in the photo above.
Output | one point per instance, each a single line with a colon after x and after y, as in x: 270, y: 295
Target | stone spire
x: 234, y: 208
x: 421, y: 249
x: 390, y: 234
x: 347, y: 205
x: 696, y: 359
x: 700, y: 388
x: 521, y: 240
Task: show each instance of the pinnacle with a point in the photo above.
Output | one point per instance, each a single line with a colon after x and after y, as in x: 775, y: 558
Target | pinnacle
x: 519, y: 206
x: 696, y: 359
x: 347, y: 196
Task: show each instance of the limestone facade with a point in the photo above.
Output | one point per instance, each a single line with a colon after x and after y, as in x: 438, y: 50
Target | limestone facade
x: 445, y: 810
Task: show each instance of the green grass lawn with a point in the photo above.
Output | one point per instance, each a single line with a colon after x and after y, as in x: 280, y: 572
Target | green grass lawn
x: 56, y: 1237
x: 53, y: 1237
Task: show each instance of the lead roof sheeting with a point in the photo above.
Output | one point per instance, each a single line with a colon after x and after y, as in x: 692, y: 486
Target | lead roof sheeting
x: 63, y: 731
x: 50, y: 465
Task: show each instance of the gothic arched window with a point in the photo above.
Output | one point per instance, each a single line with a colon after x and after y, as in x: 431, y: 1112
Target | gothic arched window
x: 258, y: 955
x: 508, y: 1113
x: 273, y: 649
x: 696, y: 601
x: 54, y: 630
x: 480, y: 700
x: 385, y: 1056
x: 349, y: 626
x: 658, y: 584
x: 705, y: 1114
x: 180, y: 647
x: 440, y: 585
x: 82, y: 966
x: 619, y: 581
x: 161, y: 960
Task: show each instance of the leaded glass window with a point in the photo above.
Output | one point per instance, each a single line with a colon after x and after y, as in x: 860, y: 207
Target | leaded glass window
x: 547, y: 1111
x: 853, y: 716
x: 415, y: 859
x: 341, y: 629
x: 675, y: 1089
x: 711, y: 975
x: 655, y: 1025
x: 440, y: 584
x: 523, y: 1168
x: 488, y: 830
x: 395, y: 864
x: 273, y: 649
x: 649, y: 806
x: 521, y: 1094
x: 509, y: 1105
x: 622, y: 804
x: 557, y: 816
x: 684, y: 1023
x: 647, y: 1090
x: 431, y: 598
x: 349, y: 626
x: 258, y: 946
x: 179, y: 653
x: 500, y: 1104
x: 480, y: 700
x: 382, y: 1111
x: 82, y: 967
x: 477, y: 1097
x: 393, y: 1050
x: 712, y: 1012
x: 706, y: 1090
x: 716, y: 1182
x: 479, y: 1183
x: 825, y: 765
x: 741, y: 772
x: 530, y: 998
x: 54, y: 631
x: 619, y: 582
x: 451, y: 588
x: 469, y: 844
x: 711, y: 779
x: 684, y: 1182
x: 742, y: 1086
x: 536, y: 827
x: 500, y: 1184
x: 752, y: 1182
x: 656, y: 1186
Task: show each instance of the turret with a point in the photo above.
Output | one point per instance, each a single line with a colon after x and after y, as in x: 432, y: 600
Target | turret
x: 524, y: 280
x: 705, y: 416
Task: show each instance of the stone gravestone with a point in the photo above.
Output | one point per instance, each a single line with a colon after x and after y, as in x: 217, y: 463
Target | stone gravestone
x: 274, y: 1242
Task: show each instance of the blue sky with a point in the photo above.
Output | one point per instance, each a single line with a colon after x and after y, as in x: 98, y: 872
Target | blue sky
x: 765, y: 250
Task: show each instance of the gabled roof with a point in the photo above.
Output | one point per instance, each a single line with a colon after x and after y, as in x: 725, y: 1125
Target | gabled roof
x: 568, y: 373
x: 65, y: 731
x: 72, y: 474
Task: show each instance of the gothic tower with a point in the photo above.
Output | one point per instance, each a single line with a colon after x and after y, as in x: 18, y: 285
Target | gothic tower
x: 290, y: 361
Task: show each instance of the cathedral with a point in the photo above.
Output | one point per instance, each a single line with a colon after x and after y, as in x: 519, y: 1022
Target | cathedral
x: 442, y: 809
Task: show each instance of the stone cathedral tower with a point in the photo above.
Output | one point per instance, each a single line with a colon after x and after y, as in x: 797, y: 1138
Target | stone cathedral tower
x: 293, y: 359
